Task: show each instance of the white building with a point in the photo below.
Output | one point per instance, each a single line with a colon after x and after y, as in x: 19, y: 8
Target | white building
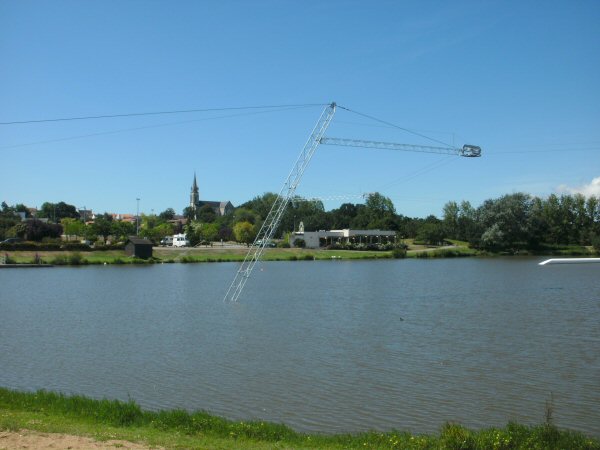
x: 322, y: 238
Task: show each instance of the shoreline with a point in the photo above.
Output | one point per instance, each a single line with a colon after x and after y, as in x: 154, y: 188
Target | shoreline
x: 109, y: 420
x: 167, y: 255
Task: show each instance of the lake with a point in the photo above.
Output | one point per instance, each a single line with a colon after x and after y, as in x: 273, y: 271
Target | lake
x: 323, y: 346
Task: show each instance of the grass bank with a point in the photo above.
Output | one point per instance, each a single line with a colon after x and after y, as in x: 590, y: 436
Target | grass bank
x: 218, y: 254
x: 109, y: 419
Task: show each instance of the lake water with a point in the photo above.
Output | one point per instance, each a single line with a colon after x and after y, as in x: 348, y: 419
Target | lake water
x: 323, y: 346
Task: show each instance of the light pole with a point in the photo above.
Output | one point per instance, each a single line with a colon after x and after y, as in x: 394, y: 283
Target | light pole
x: 137, y: 218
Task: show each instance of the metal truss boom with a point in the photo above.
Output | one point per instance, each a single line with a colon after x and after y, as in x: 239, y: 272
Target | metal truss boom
x: 286, y: 193
x: 467, y: 150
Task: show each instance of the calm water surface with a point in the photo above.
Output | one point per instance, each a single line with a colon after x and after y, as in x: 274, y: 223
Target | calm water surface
x: 325, y: 346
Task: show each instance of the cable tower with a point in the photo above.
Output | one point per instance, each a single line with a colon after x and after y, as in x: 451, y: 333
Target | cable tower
x: 286, y: 193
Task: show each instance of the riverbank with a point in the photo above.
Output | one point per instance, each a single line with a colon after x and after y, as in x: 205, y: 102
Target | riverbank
x: 221, y: 254
x: 218, y: 253
x: 110, y: 420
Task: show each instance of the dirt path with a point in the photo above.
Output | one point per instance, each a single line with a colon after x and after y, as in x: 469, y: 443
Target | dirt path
x: 25, y: 439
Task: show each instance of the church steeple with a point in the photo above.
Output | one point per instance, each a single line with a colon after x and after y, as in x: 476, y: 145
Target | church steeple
x: 194, y: 195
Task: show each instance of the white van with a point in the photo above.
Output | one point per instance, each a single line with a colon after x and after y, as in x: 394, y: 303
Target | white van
x: 180, y: 240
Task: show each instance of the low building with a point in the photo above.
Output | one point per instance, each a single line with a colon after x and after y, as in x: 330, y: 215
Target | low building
x: 322, y: 238
x: 138, y: 247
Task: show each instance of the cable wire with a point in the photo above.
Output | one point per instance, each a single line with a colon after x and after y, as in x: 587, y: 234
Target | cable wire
x: 410, y: 176
x: 155, y: 113
x: 395, y: 126
x: 123, y: 130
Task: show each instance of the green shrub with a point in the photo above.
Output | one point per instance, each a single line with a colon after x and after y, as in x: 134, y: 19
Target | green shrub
x: 76, y: 259
x: 9, y: 259
x: 74, y: 246
x: 456, y: 437
x: 596, y: 242
x: 59, y: 260
x: 448, y: 253
x: 399, y: 253
x: 30, y: 246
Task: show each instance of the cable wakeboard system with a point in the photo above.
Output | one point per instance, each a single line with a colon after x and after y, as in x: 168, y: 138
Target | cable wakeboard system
x: 288, y: 190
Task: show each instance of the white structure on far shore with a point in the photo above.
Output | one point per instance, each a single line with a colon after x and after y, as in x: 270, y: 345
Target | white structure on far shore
x: 322, y: 238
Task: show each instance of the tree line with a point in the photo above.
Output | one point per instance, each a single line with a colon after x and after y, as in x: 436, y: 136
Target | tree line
x: 509, y: 223
x: 64, y: 219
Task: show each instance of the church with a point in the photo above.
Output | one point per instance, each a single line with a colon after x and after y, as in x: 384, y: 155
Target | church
x: 220, y: 208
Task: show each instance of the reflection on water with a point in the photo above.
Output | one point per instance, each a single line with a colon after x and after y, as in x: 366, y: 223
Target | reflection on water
x: 322, y: 346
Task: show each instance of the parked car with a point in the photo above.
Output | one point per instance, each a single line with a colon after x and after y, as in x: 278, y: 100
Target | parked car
x: 167, y: 241
x: 13, y: 240
x: 267, y: 244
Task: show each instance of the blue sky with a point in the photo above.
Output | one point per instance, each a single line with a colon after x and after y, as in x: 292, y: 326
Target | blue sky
x: 520, y: 79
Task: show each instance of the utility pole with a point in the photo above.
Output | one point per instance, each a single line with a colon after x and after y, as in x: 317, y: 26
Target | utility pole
x: 137, y: 218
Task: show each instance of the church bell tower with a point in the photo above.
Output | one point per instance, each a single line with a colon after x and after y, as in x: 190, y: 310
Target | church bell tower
x: 194, y: 195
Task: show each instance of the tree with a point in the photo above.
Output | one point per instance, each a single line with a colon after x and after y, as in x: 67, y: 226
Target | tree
x: 8, y: 220
x: 156, y: 233
x: 342, y: 217
x: 225, y: 233
x: 596, y: 242
x: 12, y: 210
x: 121, y: 230
x: 210, y: 232
x: 167, y: 214
x: 378, y: 213
x: 311, y: 213
x: 198, y: 232
x: 36, y: 230
x: 537, y: 225
x: 451, y: 212
x: 206, y: 214
x: 72, y: 227
x: 149, y: 221
x: 244, y: 232
x: 552, y: 216
x: 379, y: 204
x: 493, y: 238
x: 592, y: 205
x: 58, y: 211
x: 431, y: 233
x: 189, y: 213
x: 506, y: 218
x: 163, y: 229
x: 261, y: 204
x: 468, y: 228
x: 102, y: 226
x: 246, y: 215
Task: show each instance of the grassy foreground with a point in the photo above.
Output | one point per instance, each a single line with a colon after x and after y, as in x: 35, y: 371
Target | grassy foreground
x: 109, y: 419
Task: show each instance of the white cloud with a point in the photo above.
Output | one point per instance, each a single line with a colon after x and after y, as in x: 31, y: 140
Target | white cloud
x: 588, y: 190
